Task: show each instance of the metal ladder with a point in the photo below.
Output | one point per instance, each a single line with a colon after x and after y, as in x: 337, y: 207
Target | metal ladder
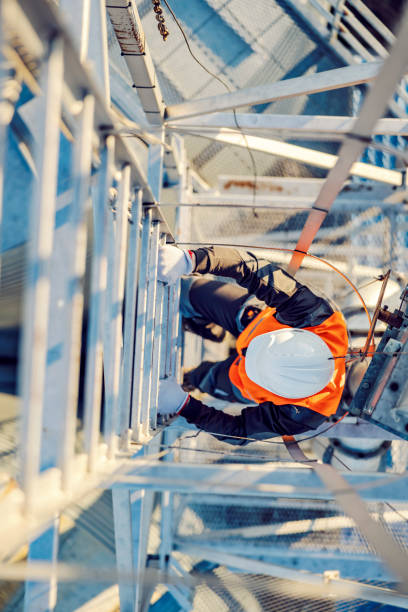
x: 103, y: 224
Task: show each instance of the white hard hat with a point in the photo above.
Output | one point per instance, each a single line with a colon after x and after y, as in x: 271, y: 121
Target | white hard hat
x: 290, y: 362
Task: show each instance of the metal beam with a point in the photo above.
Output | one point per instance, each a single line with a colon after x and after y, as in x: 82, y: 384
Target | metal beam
x: 43, y: 595
x: 113, y: 314
x: 374, y: 107
x: 94, y: 367
x: 292, y: 527
x: 259, y: 481
x: 327, y: 586
x: 306, y: 155
x: 305, y: 85
x: 132, y: 277
x: 129, y: 31
x: 37, y: 298
x: 319, y: 125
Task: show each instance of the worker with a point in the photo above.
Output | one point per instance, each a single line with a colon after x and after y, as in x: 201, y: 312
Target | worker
x: 287, y: 361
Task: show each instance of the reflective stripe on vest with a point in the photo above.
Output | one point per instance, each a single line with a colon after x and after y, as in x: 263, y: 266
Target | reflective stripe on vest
x: 333, y: 331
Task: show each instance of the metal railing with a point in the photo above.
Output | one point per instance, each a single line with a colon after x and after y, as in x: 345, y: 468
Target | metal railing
x: 91, y: 265
x: 103, y: 223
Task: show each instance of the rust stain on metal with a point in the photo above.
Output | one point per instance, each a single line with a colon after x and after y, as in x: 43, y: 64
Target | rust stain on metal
x: 246, y: 184
x: 128, y: 35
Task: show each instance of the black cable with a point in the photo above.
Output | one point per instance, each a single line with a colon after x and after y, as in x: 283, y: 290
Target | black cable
x: 212, y: 433
x: 215, y: 76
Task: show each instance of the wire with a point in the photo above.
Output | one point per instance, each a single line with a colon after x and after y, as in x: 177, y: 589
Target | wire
x: 228, y: 88
x: 281, y: 249
x: 219, y: 435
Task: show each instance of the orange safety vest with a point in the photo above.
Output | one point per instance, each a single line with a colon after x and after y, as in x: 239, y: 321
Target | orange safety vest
x: 333, y: 331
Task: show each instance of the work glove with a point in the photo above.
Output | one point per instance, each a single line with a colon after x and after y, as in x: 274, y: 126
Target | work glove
x: 172, y: 398
x: 173, y: 263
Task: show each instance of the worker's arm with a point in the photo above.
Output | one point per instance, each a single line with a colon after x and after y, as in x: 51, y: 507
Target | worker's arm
x: 295, y: 303
x: 257, y: 422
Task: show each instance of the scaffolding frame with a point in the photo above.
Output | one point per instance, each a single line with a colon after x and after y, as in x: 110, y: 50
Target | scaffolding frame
x: 131, y: 351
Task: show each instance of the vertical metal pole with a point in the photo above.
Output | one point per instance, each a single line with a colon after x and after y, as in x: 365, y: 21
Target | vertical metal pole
x: 175, y: 343
x: 10, y: 88
x: 155, y: 169
x: 132, y: 511
x: 166, y: 336
x: 98, y: 46
x: 157, y: 354
x: 124, y: 543
x: 169, y: 308
x: 150, y: 321
x: 38, y: 286
x: 93, y: 370
x: 39, y: 596
x: 142, y: 508
x: 87, y: 20
x: 76, y: 272
x: 167, y: 504
x: 183, y: 234
x: 125, y: 393
x: 4, y: 69
x: 140, y: 325
x: 155, y: 179
x: 78, y: 16
x: 117, y: 280
x: 393, y: 257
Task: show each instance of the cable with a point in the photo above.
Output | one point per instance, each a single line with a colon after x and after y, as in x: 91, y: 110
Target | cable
x: 215, y: 76
x: 281, y: 249
x: 219, y: 435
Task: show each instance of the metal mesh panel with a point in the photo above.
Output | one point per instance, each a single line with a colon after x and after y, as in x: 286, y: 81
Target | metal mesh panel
x: 358, y: 237
x: 257, y: 592
x: 303, y: 534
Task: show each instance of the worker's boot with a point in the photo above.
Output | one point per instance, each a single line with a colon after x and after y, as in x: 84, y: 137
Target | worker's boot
x: 209, y: 331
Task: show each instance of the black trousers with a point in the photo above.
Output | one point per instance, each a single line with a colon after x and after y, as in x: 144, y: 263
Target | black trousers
x: 231, y: 307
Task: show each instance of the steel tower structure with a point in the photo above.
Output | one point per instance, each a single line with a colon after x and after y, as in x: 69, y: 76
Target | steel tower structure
x: 109, y: 161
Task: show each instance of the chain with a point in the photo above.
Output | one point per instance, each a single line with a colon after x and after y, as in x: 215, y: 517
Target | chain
x: 159, y: 16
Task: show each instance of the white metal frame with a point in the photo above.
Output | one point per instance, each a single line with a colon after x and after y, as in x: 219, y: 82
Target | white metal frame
x: 129, y: 229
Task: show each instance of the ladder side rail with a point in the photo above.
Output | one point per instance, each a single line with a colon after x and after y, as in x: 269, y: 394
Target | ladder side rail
x: 140, y: 325
x: 116, y: 281
x: 165, y: 358
x: 87, y: 23
x: 146, y: 397
x: 37, y: 290
x: 159, y: 339
x: 124, y: 543
x: 132, y: 277
x: 94, y: 359
x: 75, y: 271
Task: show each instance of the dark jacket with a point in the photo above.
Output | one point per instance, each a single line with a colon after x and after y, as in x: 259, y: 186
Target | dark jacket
x: 296, y: 305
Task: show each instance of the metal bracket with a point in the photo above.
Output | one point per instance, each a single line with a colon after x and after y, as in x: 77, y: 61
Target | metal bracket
x: 382, y: 389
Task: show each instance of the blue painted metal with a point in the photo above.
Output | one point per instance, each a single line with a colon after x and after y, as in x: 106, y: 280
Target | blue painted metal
x: 204, y: 22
